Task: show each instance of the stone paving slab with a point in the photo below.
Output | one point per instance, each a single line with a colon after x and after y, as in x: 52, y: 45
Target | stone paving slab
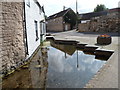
x: 107, y: 76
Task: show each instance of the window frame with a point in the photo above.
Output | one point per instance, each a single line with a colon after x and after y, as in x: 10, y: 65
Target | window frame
x: 36, y: 29
x: 28, y: 3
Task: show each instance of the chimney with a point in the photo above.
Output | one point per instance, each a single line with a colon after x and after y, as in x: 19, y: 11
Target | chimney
x: 63, y: 8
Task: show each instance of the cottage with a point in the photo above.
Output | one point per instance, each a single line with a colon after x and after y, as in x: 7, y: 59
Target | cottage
x: 62, y: 21
x: 87, y: 16
x: 83, y: 18
x: 104, y: 21
x: 35, y: 25
x: 22, y: 28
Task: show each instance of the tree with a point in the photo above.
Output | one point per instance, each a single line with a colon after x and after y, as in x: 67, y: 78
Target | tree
x: 100, y: 7
x: 46, y: 17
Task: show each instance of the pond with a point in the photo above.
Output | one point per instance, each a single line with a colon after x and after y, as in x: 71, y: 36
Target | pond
x: 55, y: 66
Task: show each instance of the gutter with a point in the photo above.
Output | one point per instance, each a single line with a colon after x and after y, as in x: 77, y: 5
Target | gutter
x: 25, y: 29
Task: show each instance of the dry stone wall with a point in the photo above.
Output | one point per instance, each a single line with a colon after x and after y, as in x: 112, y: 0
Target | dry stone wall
x: 12, y: 44
x: 107, y: 23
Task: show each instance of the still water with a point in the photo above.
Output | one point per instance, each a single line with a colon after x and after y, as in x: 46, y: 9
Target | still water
x: 70, y: 68
x: 55, y: 66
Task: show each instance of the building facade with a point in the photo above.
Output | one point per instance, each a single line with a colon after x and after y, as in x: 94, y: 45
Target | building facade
x: 61, y: 21
x: 35, y: 25
x: 22, y: 28
x: 105, y: 21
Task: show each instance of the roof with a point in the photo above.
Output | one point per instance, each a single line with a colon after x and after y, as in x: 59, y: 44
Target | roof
x: 41, y: 7
x: 88, y: 16
x: 114, y: 10
x: 36, y: 1
x: 59, y: 14
x: 69, y: 49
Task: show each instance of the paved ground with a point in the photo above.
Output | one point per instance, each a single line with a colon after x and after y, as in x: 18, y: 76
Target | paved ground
x: 107, y: 77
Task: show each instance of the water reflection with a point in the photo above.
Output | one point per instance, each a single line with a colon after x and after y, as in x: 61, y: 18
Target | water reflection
x: 32, y: 75
x: 62, y: 65
x: 71, y: 72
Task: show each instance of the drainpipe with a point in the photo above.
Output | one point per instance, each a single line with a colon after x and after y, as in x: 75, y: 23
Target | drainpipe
x: 25, y: 29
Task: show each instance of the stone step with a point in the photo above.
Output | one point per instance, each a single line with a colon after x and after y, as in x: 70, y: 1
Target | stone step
x: 81, y: 45
x: 90, y: 48
x: 60, y: 41
x: 103, y: 53
x: 49, y: 37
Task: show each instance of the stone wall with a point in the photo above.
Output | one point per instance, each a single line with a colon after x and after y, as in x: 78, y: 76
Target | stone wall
x: 55, y: 24
x: 13, y: 51
x: 0, y: 36
x: 83, y: 27
x: 107, y: 23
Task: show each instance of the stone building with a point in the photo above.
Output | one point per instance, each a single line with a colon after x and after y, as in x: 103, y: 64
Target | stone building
x: 62, y: 21
x: 83, y: 18
x: 22, y: 28
x: 107, y: 21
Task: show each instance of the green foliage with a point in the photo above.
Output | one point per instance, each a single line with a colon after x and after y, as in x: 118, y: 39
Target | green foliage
x: 46, y: 17
x: 100, y: 7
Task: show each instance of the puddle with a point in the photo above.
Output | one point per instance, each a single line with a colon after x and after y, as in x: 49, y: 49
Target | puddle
x: 70, y: 68
x: 57, y: 66
x: 32, y: 75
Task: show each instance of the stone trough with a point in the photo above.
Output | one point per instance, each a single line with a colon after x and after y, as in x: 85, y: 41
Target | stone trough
x: 70, y: 42
x: 50, y: 37
x: 103, y: 54
x: 80, y: 46
x: 89, y: 49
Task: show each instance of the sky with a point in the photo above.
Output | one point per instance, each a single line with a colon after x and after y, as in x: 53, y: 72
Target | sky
x: 84, y: 6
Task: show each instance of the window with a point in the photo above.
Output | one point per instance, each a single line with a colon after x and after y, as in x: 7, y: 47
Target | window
x: 28, y: 3
x: 42, y: 29
x: 36, y: 30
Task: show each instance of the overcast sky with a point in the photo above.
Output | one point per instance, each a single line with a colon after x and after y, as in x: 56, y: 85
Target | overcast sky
x: 84, y: 6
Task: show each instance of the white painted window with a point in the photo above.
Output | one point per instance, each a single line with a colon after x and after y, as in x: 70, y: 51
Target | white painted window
x: 42, y: 27
x: 36, y: 30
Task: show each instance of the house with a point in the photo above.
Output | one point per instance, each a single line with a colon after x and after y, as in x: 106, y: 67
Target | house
x: 83, y: 18
x: 35, y: 25
x: 62, y: 21
x: 64, y: 48
x: 87, y: 16
x: 22, y: 28
x: 104, y: 21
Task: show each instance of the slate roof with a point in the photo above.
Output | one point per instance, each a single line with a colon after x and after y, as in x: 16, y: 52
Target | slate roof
x: 41, y: 7
x: 59, y: 14
x: 64, y: 48
x: 88, y: 16
x: 114, y: 10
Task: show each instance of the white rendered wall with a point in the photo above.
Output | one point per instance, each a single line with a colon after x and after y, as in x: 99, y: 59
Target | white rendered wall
x: 33, y: 14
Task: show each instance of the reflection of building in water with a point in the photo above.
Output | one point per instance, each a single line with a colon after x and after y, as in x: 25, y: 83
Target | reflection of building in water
x: 32, y: 75
x: 39, y: 69
x: 67, y: 49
